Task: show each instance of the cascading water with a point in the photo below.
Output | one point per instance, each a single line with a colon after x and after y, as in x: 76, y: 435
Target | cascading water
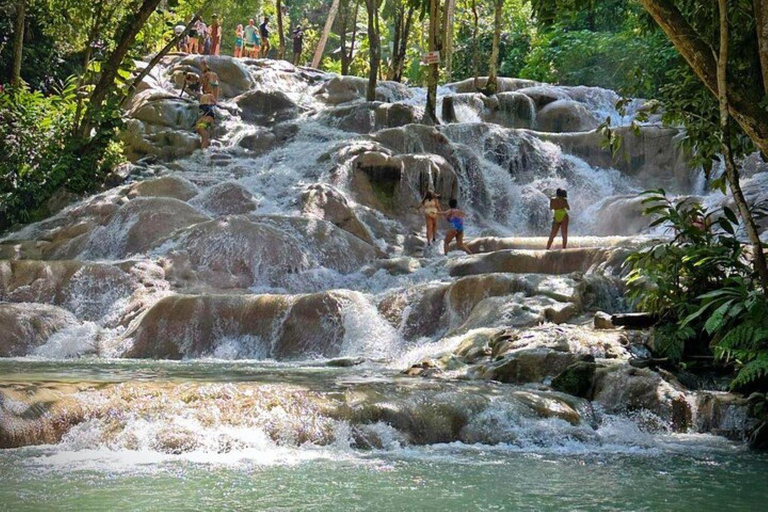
x: 253, y: 305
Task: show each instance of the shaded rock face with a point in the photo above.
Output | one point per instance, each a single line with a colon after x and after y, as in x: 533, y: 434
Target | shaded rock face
x: 26, y: 326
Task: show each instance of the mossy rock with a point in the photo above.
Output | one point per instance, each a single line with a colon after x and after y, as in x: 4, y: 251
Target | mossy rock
x: 576, y: 380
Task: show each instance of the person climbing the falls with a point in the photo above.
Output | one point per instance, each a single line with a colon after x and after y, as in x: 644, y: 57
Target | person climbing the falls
x: 264, y: 33
x: 191, y: 84
x: 431, y: 206
x: 298, y: 43
x: 455, y: 218
x: 559, y: 206
x: 239, y: 41
x: 251, y: 40
x: 215, y: 31
x: 205, y: 123
x: 210, y: 81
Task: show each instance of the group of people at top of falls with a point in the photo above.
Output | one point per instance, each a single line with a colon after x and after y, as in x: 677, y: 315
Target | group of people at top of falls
x: 432, y: 209
x: 249, y: 41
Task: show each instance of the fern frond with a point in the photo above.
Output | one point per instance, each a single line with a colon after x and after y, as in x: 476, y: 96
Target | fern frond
x: 752, y: 371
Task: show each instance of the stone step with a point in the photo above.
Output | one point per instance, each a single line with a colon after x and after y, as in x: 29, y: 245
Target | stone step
x: 526, y: 261
x: 492, y: 243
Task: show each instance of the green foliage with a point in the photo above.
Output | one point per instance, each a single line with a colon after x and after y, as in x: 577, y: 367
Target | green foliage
x: 40, y: 155
x: 702, y: 286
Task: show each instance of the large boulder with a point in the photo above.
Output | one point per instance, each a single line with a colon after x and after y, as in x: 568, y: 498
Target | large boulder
x: 565, y: 116
x: 241, y: 251
x: 88, y: 290
x: 141, y: 225
x: 503, y: 84
x: 191, y: 326
x: 368, y: 117
x: 513, y: 110
x: 266, y: 107
x: 395, y: 185
x: 648, y: 152
x: 258, y: 141
x: 328, y: 203
x: 518, y: 310
x: 142, y: 139
x: 242, y: 326
x: 234, y: 78
x: 167, y: 186
x: 26, y: 326
x: 625, y: 389
x: 344, y: 89
x: 528, y: 365
x: 162, y: 109
x: 543, y: 94
x: 226, y: 198
x: 530, y: 262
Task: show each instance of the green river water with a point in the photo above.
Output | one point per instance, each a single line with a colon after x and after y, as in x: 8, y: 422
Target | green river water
x: 655, y: 472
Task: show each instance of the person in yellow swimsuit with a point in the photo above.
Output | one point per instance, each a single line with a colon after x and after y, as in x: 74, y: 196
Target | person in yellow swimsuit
x: 559, y: 205
x: 431, y: 206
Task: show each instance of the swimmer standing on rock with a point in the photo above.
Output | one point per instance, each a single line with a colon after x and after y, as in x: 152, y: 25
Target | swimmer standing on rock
x: 455, y: 218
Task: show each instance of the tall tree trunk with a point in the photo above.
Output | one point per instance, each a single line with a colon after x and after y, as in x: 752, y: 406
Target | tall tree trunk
x: 399, y: 21
x: 324, y: 37
x: 354, y: 35
x: 450, y: 12
x: 761, y: 25
x: 492, y: 86
x: 432, y: 77
x: 743, y: 100
x: 280, y: 34
x: 404, y: 44
x: 110, y: 68
x: 94, y: 33
x: 731, y: 170
x: 475, y: 47
x: 152, y: 63
x: 375, y: 47
x: 18, y: 41
x: 343, y: 21
x: 403, y: 22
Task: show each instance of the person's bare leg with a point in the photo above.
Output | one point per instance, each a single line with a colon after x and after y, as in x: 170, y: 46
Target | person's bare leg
x: 461, y: 244
x: 553, y: 234
x: 434, y: 229
x: 448, y: 238
x: 564, y: 231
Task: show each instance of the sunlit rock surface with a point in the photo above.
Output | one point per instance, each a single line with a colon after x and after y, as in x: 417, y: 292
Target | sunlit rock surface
x: 296, y: 238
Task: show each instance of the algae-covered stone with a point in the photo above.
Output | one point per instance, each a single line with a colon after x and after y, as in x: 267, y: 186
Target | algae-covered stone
x: 576, y: 380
